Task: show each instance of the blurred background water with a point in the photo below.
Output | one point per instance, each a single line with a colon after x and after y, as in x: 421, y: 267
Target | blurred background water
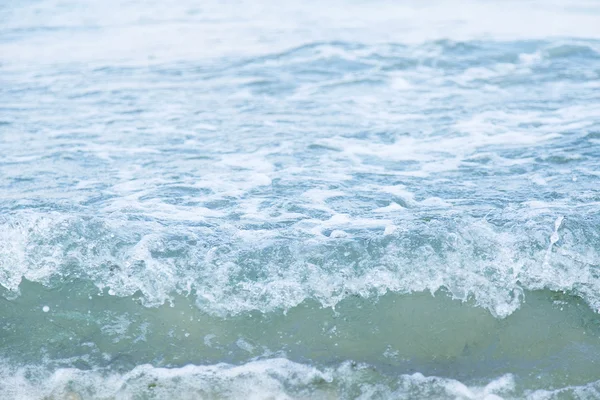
x: 335, y: 200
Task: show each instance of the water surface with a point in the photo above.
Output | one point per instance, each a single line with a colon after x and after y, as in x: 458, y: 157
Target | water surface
x: 265, y: 200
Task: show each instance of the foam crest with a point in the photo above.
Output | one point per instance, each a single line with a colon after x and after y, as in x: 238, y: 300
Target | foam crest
x: 273, y: 378
x: 232, y: 272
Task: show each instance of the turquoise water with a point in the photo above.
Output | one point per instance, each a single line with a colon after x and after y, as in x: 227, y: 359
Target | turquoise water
x: 309, y: 200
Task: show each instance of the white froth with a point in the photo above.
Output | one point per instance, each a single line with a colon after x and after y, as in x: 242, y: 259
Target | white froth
x: 389, y: 229
x: 539, y: 180
x: 320, y: 196
x: 554, y: 238
x: 336, y: 234
x: 400, y: 191
x: 390, y: 208
x: 216, y: 273
x: 272, y: 378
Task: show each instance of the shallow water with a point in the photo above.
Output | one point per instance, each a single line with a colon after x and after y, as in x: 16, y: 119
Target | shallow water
x: 257, y: 200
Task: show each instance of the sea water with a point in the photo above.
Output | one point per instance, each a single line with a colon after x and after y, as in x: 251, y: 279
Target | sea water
x: 299, y: 200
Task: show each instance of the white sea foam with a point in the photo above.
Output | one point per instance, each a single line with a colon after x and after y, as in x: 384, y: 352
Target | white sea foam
x: 475, y: 259
x: 273, y: 378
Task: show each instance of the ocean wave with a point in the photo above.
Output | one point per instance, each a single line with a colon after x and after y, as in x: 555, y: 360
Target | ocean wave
x: 271, y: 378
x: 235, y: 272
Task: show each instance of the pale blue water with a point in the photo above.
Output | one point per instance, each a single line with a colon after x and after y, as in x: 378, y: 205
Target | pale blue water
x: 305, y: 200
